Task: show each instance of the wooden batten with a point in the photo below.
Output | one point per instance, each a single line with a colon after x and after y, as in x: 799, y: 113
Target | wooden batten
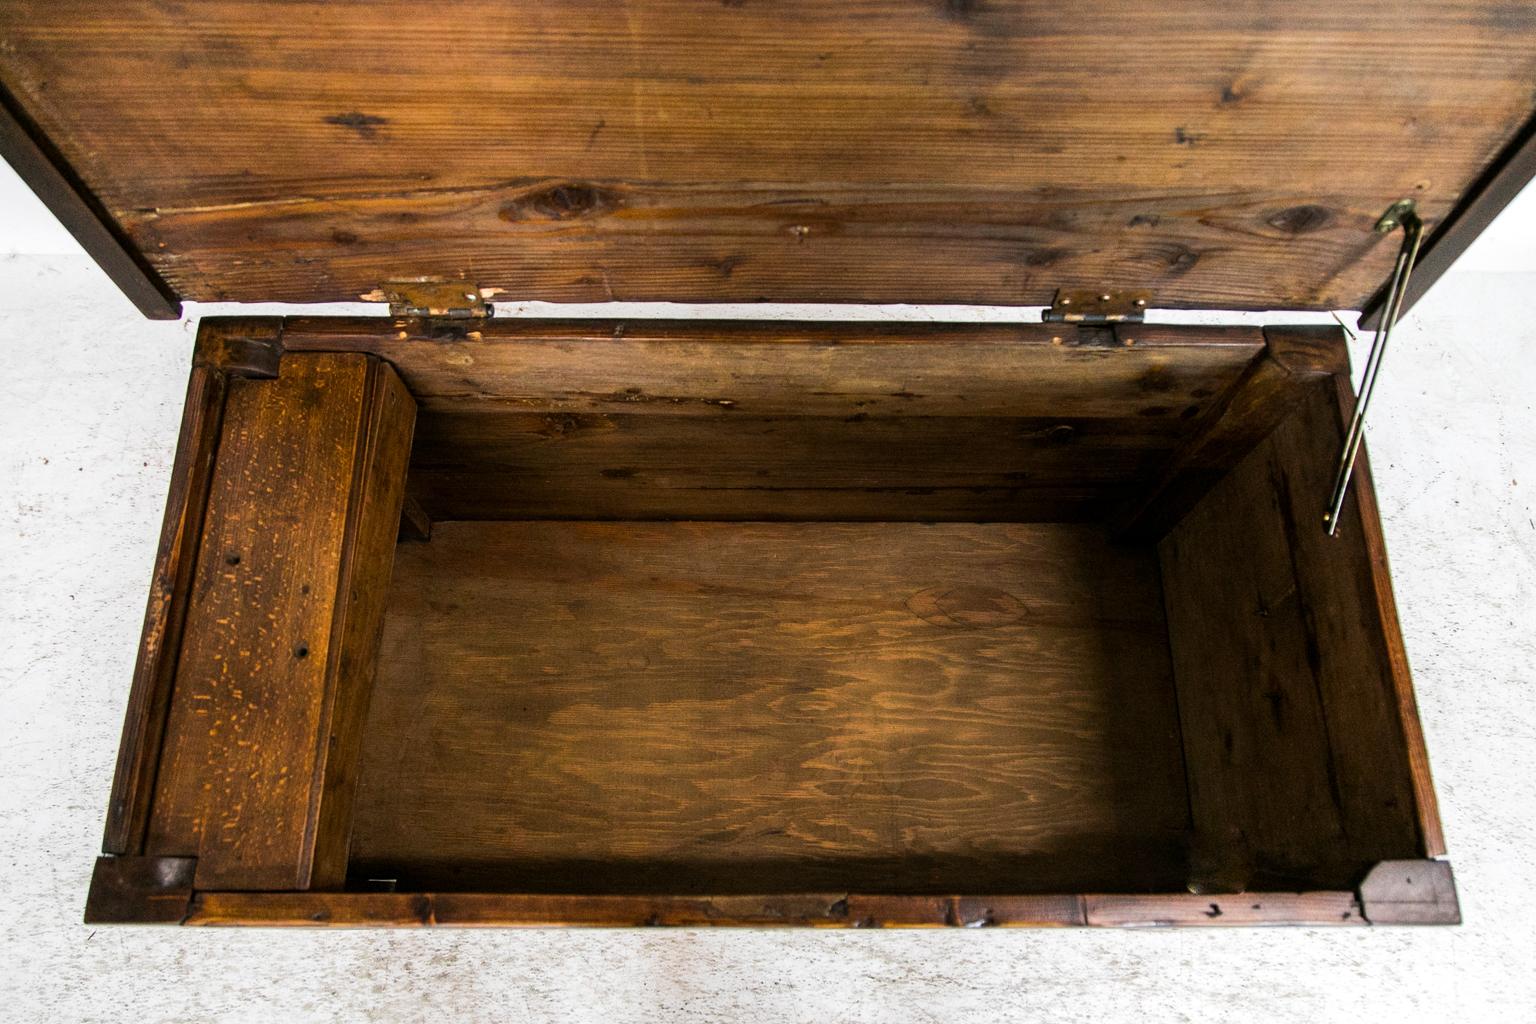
x: 829, y: 910
x: 180, y: 535
x: 272, y: 678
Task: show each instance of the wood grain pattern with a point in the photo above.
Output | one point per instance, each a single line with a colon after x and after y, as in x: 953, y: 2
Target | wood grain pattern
x: 1227, y: 156
x: 1502, y: 181
x: 149, y: 696
x: 1244, y: 910
x: 834, y: 910
x: 742, y: 421
x: 1288, y: 694
x: 1362, y: 513
x: 707, y: 707
x: 487, y: 465
x: 732, y: 368
x: 272, y: 678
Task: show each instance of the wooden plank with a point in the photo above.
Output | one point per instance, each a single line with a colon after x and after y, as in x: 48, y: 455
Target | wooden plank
x: 741, y: 420
x: 1233, y: 156
x: 1266, y: 393
x: 1288, y: 695
x: 351, y: 909
x: 272, y: 679
x: 149, y: 696
x: 50, y: 177
x: 1504, y: 179
x: 1241, y: 910
x: 476, y: 464
x: 734, y: 368
x: 1361, y: 513
x: 865, y: 911
x: 226, y: 346
x: 595, y: 707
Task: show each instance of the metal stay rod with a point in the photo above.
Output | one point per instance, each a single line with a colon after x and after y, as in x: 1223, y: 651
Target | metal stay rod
x: 1401, y: 213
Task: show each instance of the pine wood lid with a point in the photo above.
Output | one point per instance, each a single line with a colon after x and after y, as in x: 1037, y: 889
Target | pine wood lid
x: 1226, y: 155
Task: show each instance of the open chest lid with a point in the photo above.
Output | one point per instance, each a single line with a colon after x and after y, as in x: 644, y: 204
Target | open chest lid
x: 1233, y: 155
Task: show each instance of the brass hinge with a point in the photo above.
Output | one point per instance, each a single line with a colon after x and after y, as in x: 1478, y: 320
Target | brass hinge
x: 437, y: 300
x: 1077, y: 306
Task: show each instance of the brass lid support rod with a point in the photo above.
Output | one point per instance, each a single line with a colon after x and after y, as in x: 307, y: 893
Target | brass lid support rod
x: 1401, y: 214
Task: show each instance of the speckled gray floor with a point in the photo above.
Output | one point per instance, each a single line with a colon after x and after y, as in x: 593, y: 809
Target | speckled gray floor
x: 91, y: 399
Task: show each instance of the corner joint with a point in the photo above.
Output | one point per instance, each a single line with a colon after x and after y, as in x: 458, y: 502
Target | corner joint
x: 240, y: 346
x: 1410, y: 892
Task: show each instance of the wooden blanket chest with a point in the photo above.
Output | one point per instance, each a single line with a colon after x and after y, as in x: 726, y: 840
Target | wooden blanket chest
x: 466, y: 619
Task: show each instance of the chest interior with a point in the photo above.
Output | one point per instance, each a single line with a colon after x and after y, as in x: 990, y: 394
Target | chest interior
x: 597, y: 611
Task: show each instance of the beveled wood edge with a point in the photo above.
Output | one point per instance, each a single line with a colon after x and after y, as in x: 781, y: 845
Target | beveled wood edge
x: 226, y: 347
x: 328, y: 825
x: 825, y: 910
x: 1505, y: 177
x: 1236, y: 422
x: 51, y: 178
x: 144, y: 719
x: 150, y: 890
x: 1362, y: 512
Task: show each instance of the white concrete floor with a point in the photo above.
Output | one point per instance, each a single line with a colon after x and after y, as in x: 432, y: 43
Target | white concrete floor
x: 92, y: 396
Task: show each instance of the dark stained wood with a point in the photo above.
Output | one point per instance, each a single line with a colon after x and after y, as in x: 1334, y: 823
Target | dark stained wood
x: 742, y: 421
x: 814, y: 910
x: 1410, y: 892
x: 247, y: 346
x: 1293, y: 358
x: 272, y: 680
x: 169, y: 597
x: 711, y: 707
x: 46, y: 173
x: 140, y: 890
x: 734, y: 368
x: 1293, y: 734
x: 1504, y: 179
x: 481, y: 464
x: 1225, y: 156
x: 415, y: 524
x: 813, y: 722
x: 1362, y: 513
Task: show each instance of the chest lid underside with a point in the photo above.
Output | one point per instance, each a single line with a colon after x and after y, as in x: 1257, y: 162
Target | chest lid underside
x: 1231, y: 155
